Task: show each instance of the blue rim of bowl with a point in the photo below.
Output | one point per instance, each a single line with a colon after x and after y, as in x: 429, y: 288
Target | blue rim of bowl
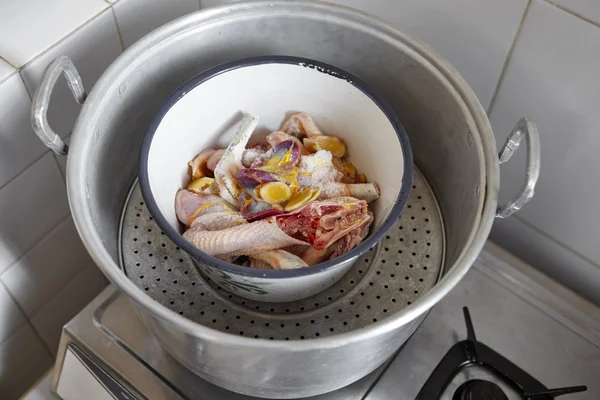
x: 372, y: 240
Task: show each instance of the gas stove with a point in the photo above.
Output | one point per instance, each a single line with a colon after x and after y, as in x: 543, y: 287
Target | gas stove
x: 505, y: 332
x: 473, y: 354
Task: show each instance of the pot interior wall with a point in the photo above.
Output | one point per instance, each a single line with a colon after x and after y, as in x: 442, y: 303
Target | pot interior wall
x: 447, y: 145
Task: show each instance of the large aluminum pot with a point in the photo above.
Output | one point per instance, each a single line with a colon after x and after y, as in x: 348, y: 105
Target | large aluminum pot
x: 451, y: 138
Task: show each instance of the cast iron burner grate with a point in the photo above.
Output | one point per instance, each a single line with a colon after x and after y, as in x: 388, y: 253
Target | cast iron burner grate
x: 470, y: 352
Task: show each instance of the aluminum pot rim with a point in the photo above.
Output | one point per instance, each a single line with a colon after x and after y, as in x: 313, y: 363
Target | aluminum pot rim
x: 464, y: 94
x: 197, y: 254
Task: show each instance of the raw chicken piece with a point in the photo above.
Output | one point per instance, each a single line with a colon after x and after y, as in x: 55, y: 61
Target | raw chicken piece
x: 189, y: 206
x: 351, y: 240
x: 259, y: 264
x: 285, y: 154
x: 277, y: 259
x: 274, y: 259
x: 363, y: 191
x: 297, y: 249
x: 253, y: 237
x: 312, y: 256
x: 277, y: 137
x: 219, y: 220
x: 301, y: 124
x: 198, y: 166
x: 321, y: 223
x: 248, y: 179
x: 214, y: 159
x: 300, y: 227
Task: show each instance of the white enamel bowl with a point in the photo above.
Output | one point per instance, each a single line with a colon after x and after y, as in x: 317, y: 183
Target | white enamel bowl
x: 204, y: 112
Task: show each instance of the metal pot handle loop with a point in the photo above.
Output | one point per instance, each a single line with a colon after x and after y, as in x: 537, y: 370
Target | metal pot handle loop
x: 41, y: 100
x: 527, y: 128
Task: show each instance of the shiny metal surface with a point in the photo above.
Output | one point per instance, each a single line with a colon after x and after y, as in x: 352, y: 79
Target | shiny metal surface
x: 41, y: 101
x: 394, y: 274
x: 110, y: 333
x: 524, y: 128
x: 535, y: 322
x: 450, y: 136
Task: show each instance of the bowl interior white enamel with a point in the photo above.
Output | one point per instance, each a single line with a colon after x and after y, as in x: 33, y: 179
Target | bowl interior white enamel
x: 208, y: 115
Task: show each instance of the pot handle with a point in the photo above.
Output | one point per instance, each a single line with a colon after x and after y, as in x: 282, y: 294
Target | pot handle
x: 527, y: 128
x: 41, y: 100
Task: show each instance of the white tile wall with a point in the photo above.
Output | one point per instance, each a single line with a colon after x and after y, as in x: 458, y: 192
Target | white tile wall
x: 43, y: 271
x: 6, y: 70
x: 92, y: 48
x: 82, y: 289
x: 30, y: 206
x: 552, y: 77
x: 547, y: 254
x: 588, y: 9
x: 10, y: 316
x: 19, y: 146
x: 138, y: 17
x: 46, y: 276
x: 29, y: 27
x: 23, y: 359
x: 475, y: 36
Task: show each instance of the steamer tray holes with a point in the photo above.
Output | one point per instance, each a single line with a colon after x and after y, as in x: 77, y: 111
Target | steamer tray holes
x: 389, y: 277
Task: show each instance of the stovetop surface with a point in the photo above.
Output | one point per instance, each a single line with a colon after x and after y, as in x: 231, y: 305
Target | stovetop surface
x: 527, y: 323
x: 532, y: 321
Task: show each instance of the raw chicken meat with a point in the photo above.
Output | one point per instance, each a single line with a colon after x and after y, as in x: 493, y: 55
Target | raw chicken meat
x: 290, y: 203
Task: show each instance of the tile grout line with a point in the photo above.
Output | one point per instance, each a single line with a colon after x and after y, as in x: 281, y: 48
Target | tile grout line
x: 27, y: 91
x: 63, y: 175
x: 8, y: 77
x: 28, y: 322
x: 573, y: 13
x: 28, y: 319
x: 19, y: 308
x: 30, y: 95
x: 27, y: 250
x: 44, y: 344
x: 24, y: 170
x: 8, y: 62
x: 508, y: 58
x: 19, y: 70
x: 60, y: 41
x: 67, y: 283
x: 557, y: 242
x: 11, y: 74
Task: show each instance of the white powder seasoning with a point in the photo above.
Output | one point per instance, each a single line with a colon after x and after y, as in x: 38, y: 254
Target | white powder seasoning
x: 250, y: 155
x: 317, y: 170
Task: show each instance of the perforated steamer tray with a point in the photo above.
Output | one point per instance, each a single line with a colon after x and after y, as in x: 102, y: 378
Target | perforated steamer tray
x: 401, y: 268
